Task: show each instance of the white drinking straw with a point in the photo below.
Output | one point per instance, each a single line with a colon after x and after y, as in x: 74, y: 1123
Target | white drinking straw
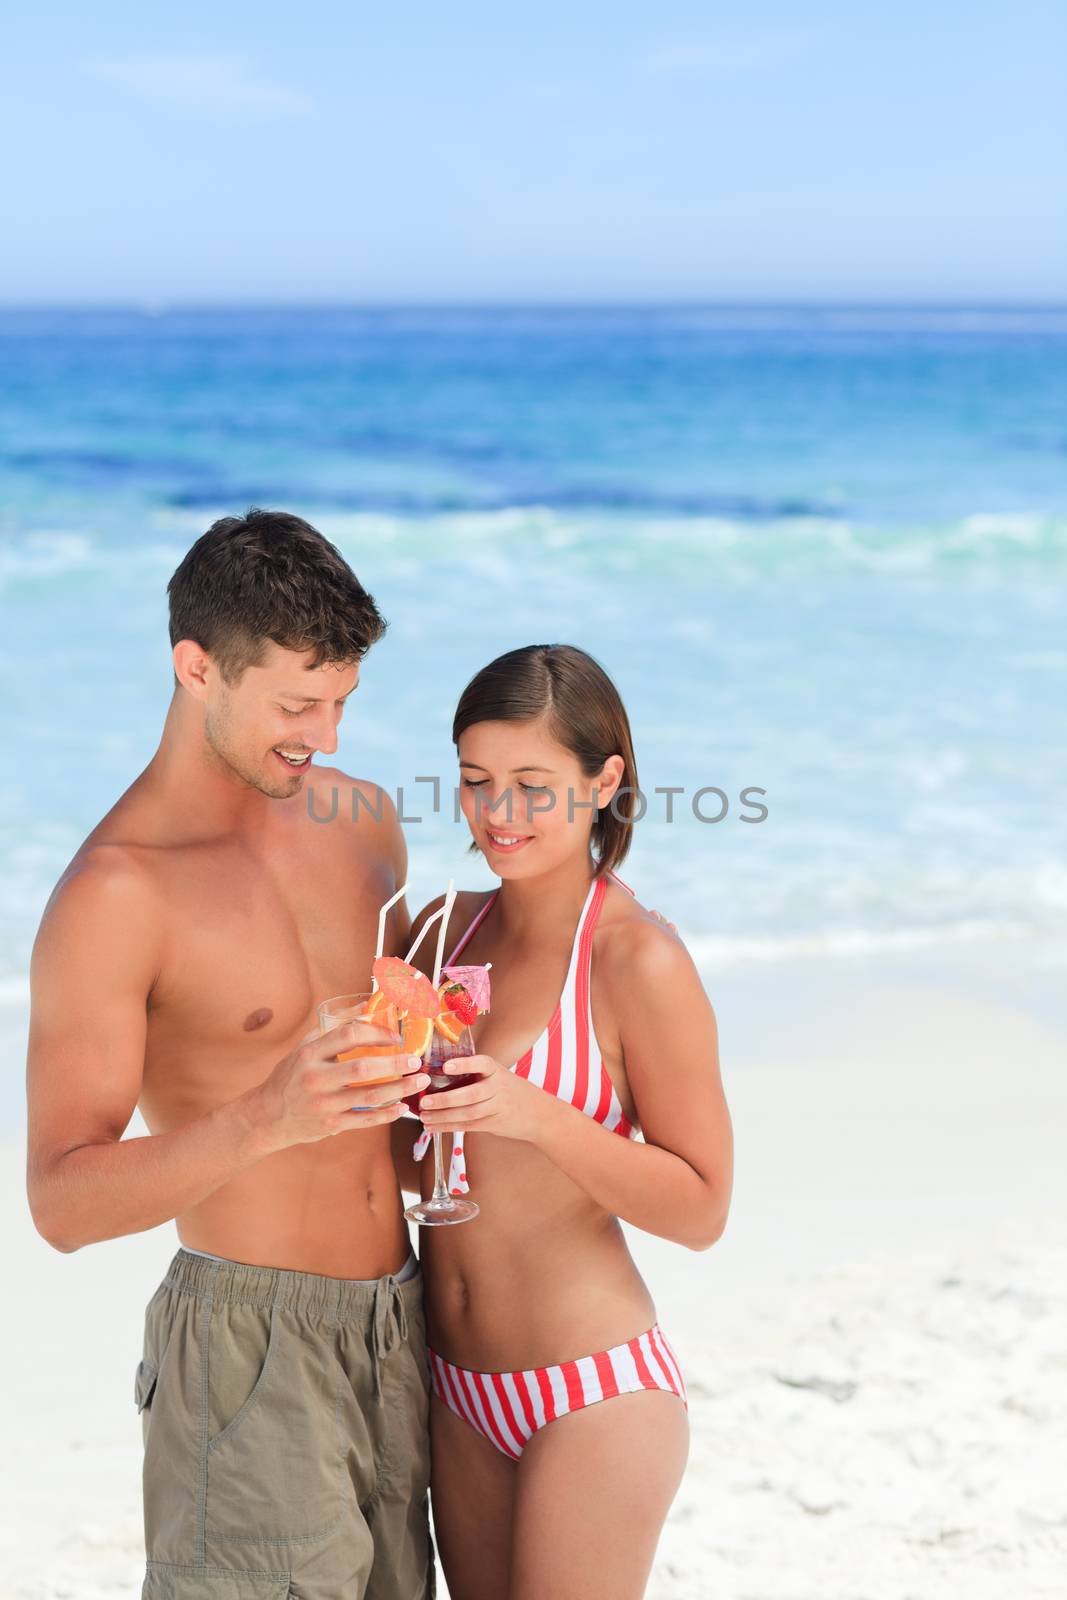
x: 424, y: 930
x: 450, y: 898
x: 442, y: 912
x: 383, y: 913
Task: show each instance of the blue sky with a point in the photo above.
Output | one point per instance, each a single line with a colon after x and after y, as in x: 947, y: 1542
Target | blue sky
x: 338, y: 152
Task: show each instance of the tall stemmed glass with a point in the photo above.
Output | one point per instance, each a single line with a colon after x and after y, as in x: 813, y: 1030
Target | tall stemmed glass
x: 442, y: 1208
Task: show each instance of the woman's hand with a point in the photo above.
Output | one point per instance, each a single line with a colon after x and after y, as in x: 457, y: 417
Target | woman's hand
x: 500, y: 1102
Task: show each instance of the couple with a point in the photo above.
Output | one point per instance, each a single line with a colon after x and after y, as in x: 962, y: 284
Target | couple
x: 288, y: 1393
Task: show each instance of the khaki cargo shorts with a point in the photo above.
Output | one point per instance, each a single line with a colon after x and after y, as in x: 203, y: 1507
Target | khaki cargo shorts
x: 285, y: 1420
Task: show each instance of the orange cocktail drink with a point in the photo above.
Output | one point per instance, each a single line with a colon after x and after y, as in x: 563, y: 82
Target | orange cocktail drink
x: 412, y: 1033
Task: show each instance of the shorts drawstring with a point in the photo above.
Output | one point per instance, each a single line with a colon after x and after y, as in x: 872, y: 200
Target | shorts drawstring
x: 389, y: 1327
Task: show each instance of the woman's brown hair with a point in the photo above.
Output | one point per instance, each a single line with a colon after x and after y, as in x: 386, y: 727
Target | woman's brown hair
x: 585, y: 714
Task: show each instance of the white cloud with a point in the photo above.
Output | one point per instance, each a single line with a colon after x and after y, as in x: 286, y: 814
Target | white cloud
x: 225, y: 86
x: 722, y: 52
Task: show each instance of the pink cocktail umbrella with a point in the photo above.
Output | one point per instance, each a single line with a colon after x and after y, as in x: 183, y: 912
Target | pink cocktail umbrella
x: 474, y: 979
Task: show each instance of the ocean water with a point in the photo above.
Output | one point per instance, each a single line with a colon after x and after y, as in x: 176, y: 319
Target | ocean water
x: 823, y: 553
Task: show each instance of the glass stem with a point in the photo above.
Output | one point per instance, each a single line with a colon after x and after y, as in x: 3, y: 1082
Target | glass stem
x: 440, y: 1187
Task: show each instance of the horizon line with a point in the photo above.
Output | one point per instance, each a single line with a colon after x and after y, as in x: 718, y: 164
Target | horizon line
x: 148, y: 306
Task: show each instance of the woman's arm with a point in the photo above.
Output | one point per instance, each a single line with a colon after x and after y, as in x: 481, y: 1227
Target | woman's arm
x: 677, y: 1184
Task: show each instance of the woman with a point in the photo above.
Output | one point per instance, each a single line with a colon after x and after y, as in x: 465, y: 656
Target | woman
x: 558, y: 1415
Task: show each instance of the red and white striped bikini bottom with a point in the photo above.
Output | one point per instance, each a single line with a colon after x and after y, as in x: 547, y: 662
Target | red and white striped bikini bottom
x: 508, y: 1408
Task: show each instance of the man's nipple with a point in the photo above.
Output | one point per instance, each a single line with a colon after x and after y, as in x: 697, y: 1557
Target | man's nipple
x: 258, y: 1019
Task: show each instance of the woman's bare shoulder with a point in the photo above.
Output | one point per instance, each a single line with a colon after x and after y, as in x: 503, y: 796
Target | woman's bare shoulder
x: 636, y: 945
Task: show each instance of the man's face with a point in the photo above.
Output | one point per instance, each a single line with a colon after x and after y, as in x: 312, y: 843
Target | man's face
x: 267, y: 727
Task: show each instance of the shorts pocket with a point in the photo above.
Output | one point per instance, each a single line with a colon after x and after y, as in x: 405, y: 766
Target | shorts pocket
x: 144, y: 1383
x: 166, y: 1582
x: 159, y: 1324
x: 242, y: 1348
x: 274, y: 1465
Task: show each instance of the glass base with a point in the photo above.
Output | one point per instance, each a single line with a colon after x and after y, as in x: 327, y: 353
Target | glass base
x: 440, y: 1213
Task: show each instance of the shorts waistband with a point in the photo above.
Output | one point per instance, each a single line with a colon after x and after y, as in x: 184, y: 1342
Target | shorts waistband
x: 408, y: 1270
x: 336, y: 1299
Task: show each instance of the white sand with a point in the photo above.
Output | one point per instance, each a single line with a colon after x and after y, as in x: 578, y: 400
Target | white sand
x: 876, y: 1349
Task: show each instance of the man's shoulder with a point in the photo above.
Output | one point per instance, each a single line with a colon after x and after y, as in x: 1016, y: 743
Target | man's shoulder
x: 329, y: 788
x: 109, y: 866
x: 107, y: 887
x: 366, y: 825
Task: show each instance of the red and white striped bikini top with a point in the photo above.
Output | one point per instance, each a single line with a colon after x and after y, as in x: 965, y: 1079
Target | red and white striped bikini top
x: 566, y: 1060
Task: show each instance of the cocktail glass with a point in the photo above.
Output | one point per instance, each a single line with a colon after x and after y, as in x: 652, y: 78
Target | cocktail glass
x: 442, y: 1208
x: 352, y: 1008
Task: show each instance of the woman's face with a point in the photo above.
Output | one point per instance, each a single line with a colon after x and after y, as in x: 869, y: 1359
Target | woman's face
x: 527, y: 802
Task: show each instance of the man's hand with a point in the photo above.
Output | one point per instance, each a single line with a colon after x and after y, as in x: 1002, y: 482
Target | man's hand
x: 309, y: 1094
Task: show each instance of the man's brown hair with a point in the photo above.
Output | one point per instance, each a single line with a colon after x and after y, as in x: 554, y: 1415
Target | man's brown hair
x: 585, y: 714
x: 270, y: 575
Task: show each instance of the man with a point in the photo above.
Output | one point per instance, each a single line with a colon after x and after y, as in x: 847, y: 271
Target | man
x: 283, y: 1388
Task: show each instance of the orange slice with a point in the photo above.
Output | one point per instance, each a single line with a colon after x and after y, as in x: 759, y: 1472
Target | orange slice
x: 418, y: 1031
x: 448, y: 1026
x: 382, y: 1011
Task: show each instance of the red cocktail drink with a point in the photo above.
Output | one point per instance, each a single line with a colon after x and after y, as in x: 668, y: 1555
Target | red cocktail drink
x: 439, y: 1083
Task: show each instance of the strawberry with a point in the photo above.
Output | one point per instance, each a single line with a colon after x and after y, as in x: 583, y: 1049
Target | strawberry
x: 458, y: 1000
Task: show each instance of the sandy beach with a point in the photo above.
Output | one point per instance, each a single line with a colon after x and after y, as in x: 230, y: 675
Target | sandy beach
x: 875, y: 1349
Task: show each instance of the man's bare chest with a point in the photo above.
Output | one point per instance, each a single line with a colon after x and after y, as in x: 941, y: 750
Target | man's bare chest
x: 254, y: 941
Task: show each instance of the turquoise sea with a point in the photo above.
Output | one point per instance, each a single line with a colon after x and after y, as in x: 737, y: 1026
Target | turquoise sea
x: 823, y: 552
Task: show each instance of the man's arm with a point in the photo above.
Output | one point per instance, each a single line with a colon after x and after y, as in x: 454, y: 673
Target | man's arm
x: 95, y: 960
